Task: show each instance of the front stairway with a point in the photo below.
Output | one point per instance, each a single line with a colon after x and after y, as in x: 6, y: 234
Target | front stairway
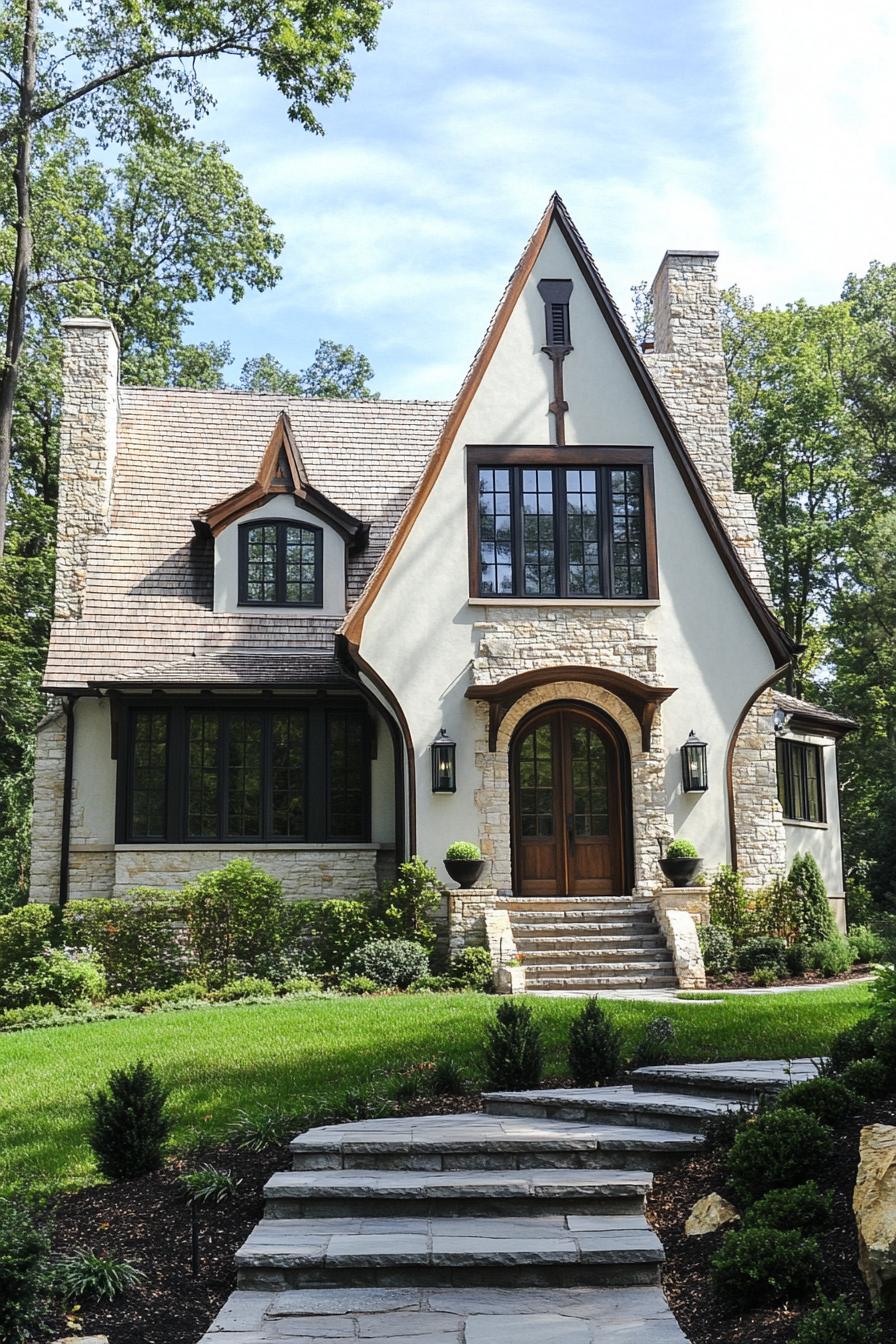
x: 589, y: 943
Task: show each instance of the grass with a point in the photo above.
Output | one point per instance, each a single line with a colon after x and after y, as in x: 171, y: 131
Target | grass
x: 281, y: 1055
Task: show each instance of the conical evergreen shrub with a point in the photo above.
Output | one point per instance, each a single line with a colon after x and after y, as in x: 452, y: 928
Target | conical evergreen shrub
x: 814, y: 919
x: 595, y: 1046
x: 129, y: 1124
x: 514, y: 1055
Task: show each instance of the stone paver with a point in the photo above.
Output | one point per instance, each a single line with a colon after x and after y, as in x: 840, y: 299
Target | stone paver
x: 744, y: 1075
x: 630, y: 1105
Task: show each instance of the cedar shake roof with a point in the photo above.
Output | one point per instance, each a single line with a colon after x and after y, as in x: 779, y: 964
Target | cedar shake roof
x: 814, y: 716
x: 147, y: 614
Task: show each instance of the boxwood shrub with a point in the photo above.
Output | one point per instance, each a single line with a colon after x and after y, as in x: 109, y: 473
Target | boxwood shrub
x: 828, y: 1099
x: 802, y: 1208
x: 782, y: 1147
x: 393, y: 963
x: 717, y: 947
x: 764, y: 1264
x: 762, y: 953
x: 855, y: 1042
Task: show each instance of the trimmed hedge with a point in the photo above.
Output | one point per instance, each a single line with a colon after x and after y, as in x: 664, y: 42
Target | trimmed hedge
x: 137, y: 940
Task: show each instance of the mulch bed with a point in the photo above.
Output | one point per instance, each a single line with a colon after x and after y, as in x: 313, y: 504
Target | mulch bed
x: 743, y: 980
x: 147, y: 1222
x: 707, y: 1319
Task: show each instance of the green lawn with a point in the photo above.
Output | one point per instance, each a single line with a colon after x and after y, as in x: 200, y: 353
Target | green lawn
x: 217, y: 1060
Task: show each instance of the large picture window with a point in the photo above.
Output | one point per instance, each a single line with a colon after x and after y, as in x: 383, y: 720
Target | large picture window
x: 238, y: 774
x: 281, y: 564
x: 580, y: 530
x: 801, y: 780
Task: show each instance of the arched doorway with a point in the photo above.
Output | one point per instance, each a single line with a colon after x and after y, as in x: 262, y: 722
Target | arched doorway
x: 570, y: 816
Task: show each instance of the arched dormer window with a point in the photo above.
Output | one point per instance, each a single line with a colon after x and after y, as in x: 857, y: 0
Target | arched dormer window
x: 281, y: 564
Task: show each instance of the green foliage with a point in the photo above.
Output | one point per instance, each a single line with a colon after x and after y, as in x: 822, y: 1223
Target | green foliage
x: 261, y: 1127
x: 411, y: 900
x: 814, y: 919
x: 595, y: 1046
x: 717, y: 947
x: 129, y: 1123
x: 336, y: 371
x: 209, y: 1184
x: 54, y: 977
x: 883, y: 993
x: 25, y: 1273
x: 764, y: 952
x: 776, y: 910
x: 828, y: 1099
x: 246, y: 987
x: 299, y: 984
x: 326, y: 933
x: 463, y: 850
x: 514, y: 1052
x: 853, y: 1043
x: 802, y: 1208
x: 656, y: 1044
x: 471, y: 968
x: 867, y: 945
x: 359, y: 984
x: 135, y: 940
x: 448, y: 1079
x: 85, y: 1274
x: 728, y: 906
x: 796, y: 958
x: 763, y: 1264
x: 681, y: 849
x: 235, y: 921
x: 781, y: 1147
x: 832, y: 957
x: 885, y: 1045
x: 392, y: 963
x: 763, y: 976
x: 721, y: 1129
x: 835, y: 1322
x: 24, y: 933
x: 868, y: 1078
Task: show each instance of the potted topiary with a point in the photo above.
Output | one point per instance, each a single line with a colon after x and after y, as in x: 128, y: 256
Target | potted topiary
x: 681, y: 863
x: 464, y: 863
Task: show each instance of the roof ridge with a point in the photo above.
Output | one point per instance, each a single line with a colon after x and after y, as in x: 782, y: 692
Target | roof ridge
x: 282, y: 396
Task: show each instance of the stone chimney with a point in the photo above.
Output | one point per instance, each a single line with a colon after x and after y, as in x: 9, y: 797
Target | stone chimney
x: 87, y: 439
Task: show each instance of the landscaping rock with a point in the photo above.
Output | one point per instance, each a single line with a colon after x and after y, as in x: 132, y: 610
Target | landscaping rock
x: 874, y: 1205
x: 708, y: 1215
x: 82, y: 1339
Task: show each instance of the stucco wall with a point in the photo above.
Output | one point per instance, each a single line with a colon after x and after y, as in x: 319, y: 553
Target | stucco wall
x: 284, y: 507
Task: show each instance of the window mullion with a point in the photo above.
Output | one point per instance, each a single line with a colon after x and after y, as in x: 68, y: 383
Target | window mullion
x: 605, y: 522
x: 223, y: 772
x: 561, y: 538
x: 516, y: 531
x: 267, y: 775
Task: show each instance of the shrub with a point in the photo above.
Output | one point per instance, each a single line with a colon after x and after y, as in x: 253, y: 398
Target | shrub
x: 33, y: 1015
x: 728, y: 906
x: 56, y: 977
x: 814, y: 920
x: 25, y: 1275
x: 796, y: 958
x: 209, y: 1184
x: 855, y: 1042
x: 326, y: 933
x: 867, y: 945
x: 832, y: 957
x: 782, y: 1147
x: 681, y: 849
x: 392, y: 962
x: 765, y: 952
x: 720, y: 1130
x: 514, y: 1055
x: 655, y: 1045
x: 828, y: 1099
x: 763, y: 976
x: 835, y: 1322
x: 447, y: 1079
x: 868, y: 1078
x: 247, y: 987
x: 87, y: 1275
x: 358, y: 984
x: 776, y: 910
x: 883, y: 993
x: 802, y: 1208
x: 24, y: 933
x: 717, y: 947
x: 463, y: 851
x: 595, y: 1046
x: 411, y: 900
x: 258, y: 1129
x: 299, y: 984
x: 885, y: 1046
x: 136, y: 940
x: 434, y: 984
x: 129, y: 1124
x: 472, y: 968
x: 763, y: 1264
x: 235, y: 921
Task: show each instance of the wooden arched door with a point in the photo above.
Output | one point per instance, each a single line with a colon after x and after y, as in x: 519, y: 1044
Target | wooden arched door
x: 567, y: 806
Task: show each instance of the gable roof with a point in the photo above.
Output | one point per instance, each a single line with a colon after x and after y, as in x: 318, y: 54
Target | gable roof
x: 813, y: 718
x: 779, y: 643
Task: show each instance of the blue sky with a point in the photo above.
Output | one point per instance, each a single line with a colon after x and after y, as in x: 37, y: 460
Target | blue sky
x: 763, y: 128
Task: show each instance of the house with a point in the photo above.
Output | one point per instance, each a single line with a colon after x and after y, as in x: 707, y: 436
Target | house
x: 270, y: 611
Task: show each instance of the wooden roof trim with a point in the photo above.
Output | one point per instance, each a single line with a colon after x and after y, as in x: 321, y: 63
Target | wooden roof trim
x: 643, y: 700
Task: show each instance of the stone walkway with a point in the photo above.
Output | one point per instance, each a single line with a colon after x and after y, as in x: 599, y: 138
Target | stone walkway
x: 522, y: 1225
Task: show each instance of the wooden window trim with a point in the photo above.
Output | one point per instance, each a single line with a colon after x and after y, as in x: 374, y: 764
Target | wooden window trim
x: 281, y: 525
x: 319, y: 709
x: 786, y: 748
x: 517, y: 455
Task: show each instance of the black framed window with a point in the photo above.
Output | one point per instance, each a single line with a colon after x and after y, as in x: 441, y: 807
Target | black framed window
x: 801, y: 780
x: 239, y: 774
x: 558, y: 531
x: 280, y: 564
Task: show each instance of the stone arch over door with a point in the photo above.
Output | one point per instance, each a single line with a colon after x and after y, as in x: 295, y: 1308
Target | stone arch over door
x: 648, y: 807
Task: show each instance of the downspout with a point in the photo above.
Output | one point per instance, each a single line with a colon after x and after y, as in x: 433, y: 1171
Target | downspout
x: 68, y: 709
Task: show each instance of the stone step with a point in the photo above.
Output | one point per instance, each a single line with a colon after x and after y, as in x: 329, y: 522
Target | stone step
x: 553, y: 1250
x: 624, y: 1105
x: 622, y: 936
x: 594, y: 907
x: 745, y: 1079
x: 477, y: 1142
x: 569, y: 951
x: 596, y: 966
x: 332, y: 1194
x: 517, y: 1315
x: 591, y: 982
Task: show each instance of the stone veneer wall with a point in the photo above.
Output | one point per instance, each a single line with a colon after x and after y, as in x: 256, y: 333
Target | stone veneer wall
x: 761, y: 840
x: 306, y: 874
x: 46, y: 816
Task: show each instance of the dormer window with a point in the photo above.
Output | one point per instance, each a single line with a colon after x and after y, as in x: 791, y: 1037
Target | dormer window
x: 281, y: 564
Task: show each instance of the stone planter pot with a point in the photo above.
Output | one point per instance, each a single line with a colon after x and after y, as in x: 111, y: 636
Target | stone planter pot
x: 681, y: 872
x: 465, y: 872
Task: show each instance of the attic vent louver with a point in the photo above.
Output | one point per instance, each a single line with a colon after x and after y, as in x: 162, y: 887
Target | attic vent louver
x: 559, y: 334
x: 555, y: 294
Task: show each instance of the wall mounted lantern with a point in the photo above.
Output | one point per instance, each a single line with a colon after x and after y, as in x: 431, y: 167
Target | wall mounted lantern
x: 444, y: 778
x: 693, y: 765
x: 781, y: 720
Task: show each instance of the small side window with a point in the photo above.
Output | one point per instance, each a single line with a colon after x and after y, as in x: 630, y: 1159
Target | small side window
x: 801, y: 780
x: 281, y: 565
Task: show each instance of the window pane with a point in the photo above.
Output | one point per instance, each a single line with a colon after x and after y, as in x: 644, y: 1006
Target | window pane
x: 261, y: 563
x: 347, y: 772
x: 301, y: 565
x: 539, y: 573
x: 244, y: 740
x: 795, y: 773
x: 536, y: 777
x: 781, y: 755
x: 288, y: 774
x: 149, y: 791
x: 627, y: 514
x: 495, y: 551
x: 582, y: 533
x: 813, y: 783
x: 589, y: 782
x: 202, y: 775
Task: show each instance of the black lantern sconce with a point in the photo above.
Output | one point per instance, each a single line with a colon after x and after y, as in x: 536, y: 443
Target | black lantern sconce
x: 693, y: 765
x: 444, y: 774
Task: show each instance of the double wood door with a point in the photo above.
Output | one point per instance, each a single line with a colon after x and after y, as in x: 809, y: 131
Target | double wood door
x: 567, y: 820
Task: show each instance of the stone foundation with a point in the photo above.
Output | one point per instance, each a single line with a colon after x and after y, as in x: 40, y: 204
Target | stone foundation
x: 467, y: 909
x: 46, y: 817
